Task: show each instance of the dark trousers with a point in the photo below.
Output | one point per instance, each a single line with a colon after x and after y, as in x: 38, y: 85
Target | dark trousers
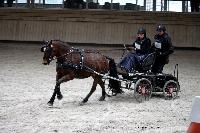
x: 194, y: 6
x: 130, y: 61
x: 10, y: 3
x: 158, y: 66
x: 1, y: 3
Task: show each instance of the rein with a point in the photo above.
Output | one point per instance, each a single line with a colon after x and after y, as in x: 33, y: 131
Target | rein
x: 117, y: 49
x: 80, y: 51
x: 70, y: 51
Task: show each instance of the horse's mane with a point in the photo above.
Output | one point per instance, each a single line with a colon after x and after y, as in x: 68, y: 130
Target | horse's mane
x: 67, y: 46
x: 62, y: 43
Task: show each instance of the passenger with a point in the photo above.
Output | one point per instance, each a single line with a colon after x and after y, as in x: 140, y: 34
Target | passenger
x: 141, y: 47
x: 163, y: 47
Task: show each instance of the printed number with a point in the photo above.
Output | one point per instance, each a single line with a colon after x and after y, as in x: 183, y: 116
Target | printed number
x: 158, y: 45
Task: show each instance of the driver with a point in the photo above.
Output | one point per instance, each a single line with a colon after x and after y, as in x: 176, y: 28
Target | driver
x: 141, y: 47
x: 163, y: 47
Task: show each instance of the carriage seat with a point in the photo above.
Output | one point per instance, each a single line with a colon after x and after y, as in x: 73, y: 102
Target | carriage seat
x: 146, y: 64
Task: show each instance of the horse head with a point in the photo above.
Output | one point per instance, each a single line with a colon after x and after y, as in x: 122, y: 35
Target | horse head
x: 52, y: 49
x: 49, y: 54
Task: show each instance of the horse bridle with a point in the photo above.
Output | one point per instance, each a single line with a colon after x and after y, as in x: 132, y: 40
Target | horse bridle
x: 48, y: 48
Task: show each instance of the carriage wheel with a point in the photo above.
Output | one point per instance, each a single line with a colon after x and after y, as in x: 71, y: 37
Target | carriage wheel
x: 171, y: 89
x: 142, y: 90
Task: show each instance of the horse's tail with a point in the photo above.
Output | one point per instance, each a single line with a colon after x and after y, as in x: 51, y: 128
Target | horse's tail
x: 114, y: 84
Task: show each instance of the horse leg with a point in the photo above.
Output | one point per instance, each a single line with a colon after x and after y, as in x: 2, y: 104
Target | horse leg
x: 102, y: 84
x: 59, y: 95
x: 50, y: 103
x: 91, y: 91
x: 57, y: 88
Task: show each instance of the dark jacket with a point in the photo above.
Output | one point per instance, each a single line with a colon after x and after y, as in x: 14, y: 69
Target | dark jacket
x: 142, y: 46
x: 163, y: 47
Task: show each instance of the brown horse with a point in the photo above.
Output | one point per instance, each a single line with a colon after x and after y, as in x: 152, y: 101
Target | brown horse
x: 75, y: 63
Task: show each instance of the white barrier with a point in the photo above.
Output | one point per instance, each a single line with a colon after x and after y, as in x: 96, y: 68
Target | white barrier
x: 195, y: 117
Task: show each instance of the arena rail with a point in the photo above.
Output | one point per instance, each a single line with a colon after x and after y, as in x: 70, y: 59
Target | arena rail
x: 96, y: 26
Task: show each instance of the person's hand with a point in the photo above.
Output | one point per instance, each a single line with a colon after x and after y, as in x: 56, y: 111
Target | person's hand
x: 130, y: 48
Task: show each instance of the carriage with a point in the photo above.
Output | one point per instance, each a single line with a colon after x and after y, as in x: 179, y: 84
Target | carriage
x: 144, y: 83
x: 79, y: 63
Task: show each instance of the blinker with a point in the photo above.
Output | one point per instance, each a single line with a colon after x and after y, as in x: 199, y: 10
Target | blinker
x: 43, y: 49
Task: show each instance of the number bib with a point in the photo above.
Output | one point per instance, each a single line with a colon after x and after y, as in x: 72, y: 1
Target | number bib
x: 137, y: 46
x: 158, y: 45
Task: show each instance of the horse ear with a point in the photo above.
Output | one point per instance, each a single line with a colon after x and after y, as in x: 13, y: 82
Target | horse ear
x: 51, y: 44
x: 45, y: 42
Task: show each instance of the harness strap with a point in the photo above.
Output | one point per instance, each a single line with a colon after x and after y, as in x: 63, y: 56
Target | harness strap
x: 80, y: 51
x: 69, y: 65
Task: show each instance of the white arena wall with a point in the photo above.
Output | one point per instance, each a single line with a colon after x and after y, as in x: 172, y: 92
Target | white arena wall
x: 96, y: 26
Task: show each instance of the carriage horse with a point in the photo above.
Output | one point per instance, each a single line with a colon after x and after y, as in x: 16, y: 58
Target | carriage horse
x: 81, y: 63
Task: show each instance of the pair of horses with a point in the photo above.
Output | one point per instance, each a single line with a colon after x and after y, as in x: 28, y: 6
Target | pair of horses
x: 75, y: 63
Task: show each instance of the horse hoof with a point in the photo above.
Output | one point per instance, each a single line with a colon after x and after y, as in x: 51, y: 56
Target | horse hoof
x: 50, y: 104
x: 81, y: 103
x: 102, y: 99
x: 84, y: 100
x: 59, y: 97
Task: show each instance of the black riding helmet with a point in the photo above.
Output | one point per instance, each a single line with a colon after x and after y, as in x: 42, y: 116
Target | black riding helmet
x: 141, y: 30
x: 161, y: 27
